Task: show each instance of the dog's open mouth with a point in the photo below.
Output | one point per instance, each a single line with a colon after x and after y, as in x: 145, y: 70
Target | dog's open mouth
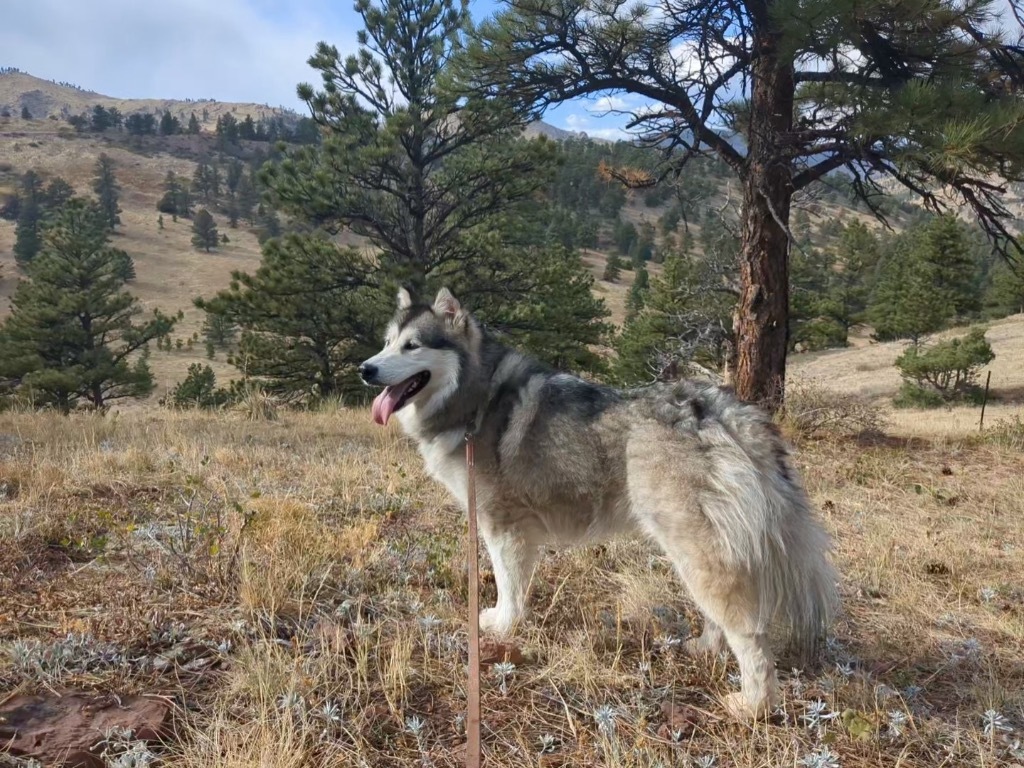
x: 395, y: 397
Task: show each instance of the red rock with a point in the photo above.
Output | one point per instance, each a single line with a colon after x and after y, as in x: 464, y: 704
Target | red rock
x: 65, y: 730
x: 680, y: 721
x: 494, y: 651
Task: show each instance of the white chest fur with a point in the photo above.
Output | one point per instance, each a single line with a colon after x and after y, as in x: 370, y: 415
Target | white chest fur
x: 445, y: 459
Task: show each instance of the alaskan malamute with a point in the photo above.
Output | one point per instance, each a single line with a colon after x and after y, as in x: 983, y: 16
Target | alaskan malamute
x: 561, y: 460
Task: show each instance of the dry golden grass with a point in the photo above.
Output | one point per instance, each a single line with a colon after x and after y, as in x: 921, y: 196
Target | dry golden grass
x: 317, y: 548
x: 866, y: 370
x: 298, y: 583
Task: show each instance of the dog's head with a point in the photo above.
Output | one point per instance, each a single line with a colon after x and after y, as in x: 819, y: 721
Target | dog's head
x: 425, y: 350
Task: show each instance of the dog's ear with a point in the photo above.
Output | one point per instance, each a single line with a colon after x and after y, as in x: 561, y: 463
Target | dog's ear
x: 449, y: 308
x: 404, y: 298
x: 446, y: 304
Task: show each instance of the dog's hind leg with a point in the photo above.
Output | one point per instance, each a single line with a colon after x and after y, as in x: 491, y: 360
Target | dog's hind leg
x: 728, y: 599
x: 665, y: 498
x: 513, y: 557
x: 710, y: 642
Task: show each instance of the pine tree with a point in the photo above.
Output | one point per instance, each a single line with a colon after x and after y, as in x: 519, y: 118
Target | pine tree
x: 904, y: 302
x: 546, y: 304
x: 105, y: 185
x: 936, y: 282
x: 233, y: 175
x: 411, y: 175
x: 206, y: 181
x: 612, y: 269
x: 686, y: 317
x: 219, y: 330
x: 56, y: 194
x: 123, y: 266
x: 199, y: 389
x: 955, y: 269
x: 226, y: 130
x: 176, y: 199
x: 72, y: 333
x: 638, y: 293
x: 193, y: 125
x: 856, y: 261
x: 625, y: 236
x: 642, y: 249
x: 247, y: 129
x: 232, y: 212
x: 248, y: 197
x: 441, y: 185
x: 817, y: 315
x: 922, y: 93
x: 670, y: 220
x: 305, y: 316
x: 169, y: 124
x: 141, y: 124
x: 30, y: 214
x: 268, y: 223
x: 100, y: 119
x: 204, y: 231
x: 1005, y: 294
x: 26, y: 114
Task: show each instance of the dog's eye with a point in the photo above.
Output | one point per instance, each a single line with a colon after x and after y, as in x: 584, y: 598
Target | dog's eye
x: 409, y: 346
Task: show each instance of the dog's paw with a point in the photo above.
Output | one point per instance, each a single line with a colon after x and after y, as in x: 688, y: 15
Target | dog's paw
x: 739, y: 708
x: 702, y: 646
x: 494, y: 623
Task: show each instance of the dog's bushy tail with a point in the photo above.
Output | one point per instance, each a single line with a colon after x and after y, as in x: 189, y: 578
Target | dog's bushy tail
x: 766, y: 525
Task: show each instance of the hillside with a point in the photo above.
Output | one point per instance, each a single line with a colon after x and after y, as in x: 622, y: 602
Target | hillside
x: 865, y: 370
x: 260, y: 585
x: 292, y: 593
x: 171, y: 273
x: 46, y: 99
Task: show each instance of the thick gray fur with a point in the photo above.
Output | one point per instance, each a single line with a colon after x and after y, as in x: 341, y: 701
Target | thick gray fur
x: 565, y: 461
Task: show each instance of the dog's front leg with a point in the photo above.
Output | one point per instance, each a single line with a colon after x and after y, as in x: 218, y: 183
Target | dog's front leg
x: 513, y: 558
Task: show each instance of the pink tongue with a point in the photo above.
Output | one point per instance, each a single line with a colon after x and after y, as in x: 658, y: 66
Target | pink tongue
x: 386, y: 402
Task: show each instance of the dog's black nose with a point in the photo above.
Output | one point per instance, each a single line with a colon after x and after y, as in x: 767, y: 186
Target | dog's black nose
x: 368, y: 372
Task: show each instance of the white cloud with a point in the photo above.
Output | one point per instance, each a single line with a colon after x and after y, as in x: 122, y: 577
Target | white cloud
x: 583, y: 124
x: 607, y: 104
x: 609, y: 134
x: 232, y: 50
x: 574, y: 122
x: 690, y: 60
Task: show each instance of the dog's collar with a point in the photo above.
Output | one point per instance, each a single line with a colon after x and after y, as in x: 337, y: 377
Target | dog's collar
x: 474, y: 424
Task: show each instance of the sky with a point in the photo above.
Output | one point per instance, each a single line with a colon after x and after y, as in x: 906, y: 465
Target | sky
x: 229, y: 50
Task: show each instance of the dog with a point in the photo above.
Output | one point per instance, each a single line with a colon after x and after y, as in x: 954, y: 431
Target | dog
x: 561, y: 461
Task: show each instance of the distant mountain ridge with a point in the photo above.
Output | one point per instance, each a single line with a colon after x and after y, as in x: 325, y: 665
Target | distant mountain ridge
x: 45, y: 99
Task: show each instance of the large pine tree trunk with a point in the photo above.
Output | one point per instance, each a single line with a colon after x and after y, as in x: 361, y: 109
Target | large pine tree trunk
x: 761, y: 316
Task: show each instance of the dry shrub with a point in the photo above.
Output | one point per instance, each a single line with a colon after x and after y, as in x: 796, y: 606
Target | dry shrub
x: 290, y: 553
x: 256, y: 404
x: 1008, y: 433
x: 813, y: 409
x: 272, y: 738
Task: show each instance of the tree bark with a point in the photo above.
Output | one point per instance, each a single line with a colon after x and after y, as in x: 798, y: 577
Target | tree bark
x: 760, y: 321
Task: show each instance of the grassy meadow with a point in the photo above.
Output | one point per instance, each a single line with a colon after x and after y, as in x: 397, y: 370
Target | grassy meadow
x: 294, y: 585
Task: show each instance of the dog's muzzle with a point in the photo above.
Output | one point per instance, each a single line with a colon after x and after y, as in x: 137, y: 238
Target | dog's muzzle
x: 368, y: 373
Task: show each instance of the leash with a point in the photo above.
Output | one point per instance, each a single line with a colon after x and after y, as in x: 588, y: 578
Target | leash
x: 473, y: 703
